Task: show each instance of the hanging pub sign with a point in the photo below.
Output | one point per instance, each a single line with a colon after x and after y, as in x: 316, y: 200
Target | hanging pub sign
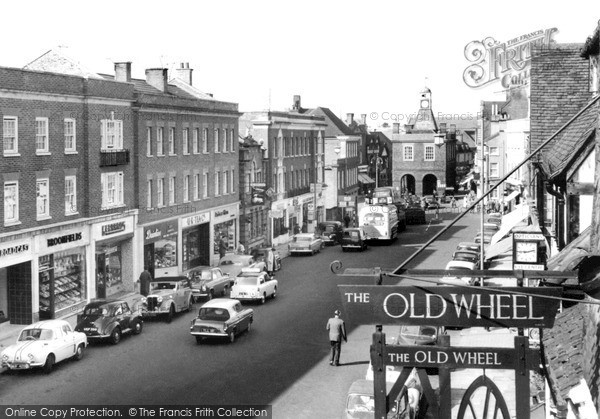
x: 528, y: 251
x: 451, y: 306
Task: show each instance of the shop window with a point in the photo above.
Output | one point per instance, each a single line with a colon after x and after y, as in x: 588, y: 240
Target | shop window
x: 61, y: 281
x: 226, y: 230
x: 109, y: 270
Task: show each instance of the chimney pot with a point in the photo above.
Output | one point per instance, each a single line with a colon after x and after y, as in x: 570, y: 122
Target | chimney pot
x: 184, y: 73
x: 297, y: 103
x: 157, y: 78
x: 363, y: 118
x: 396, y: 128
x: 123, y: 71
x: 349, y: 118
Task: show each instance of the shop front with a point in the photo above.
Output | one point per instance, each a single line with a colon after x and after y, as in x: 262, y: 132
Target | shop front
x: 15, y: 282
x: 224, y: 222
x: 62, y: 279
x: 195, y: 240
x: 113, y: 250
x: 160, y: 248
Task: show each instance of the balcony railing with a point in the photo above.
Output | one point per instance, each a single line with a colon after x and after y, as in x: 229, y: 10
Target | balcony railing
x: 114, y: 157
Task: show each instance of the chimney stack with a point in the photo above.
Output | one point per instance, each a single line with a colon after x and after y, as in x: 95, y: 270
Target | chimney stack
x: 123, y: 71
x: 396, y: 128
x: 157, y: 78
x: 297, y: 103
x: 349, y: 118
x: 184, y: 73
x: 363, y: 118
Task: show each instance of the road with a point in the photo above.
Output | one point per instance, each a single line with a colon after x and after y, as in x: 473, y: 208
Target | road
x: 164, y: 365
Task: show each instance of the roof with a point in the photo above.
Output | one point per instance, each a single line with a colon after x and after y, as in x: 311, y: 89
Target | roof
x: 423, y: 121
x: 338, y: 124
x: 99, y: 303
x: 47, y: 324
x: 220, y: 302
x: 170, y: 278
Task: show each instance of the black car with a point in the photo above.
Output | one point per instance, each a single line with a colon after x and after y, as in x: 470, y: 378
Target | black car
x: 354, y: 238
x: 331, y: 232
x: 108, y: 320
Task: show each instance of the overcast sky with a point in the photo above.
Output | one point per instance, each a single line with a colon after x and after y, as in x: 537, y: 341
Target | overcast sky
x: 360, y: 57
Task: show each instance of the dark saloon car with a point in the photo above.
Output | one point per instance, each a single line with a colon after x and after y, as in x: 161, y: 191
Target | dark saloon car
x: 331, y: 232
x: 354, y: 238
x: 108, y: 320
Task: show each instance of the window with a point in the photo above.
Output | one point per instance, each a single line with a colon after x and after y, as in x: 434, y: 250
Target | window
x: 226, y: 182
x: 217, y: 184
x: 494, y: 151
x: 408, y: 153
x: 171, y: 141
x: 195, y: 141
x: 160, y: 192
x: 160, y: 145
x: 42, y: 198
x: 149, y: 193
x: 231, y: 188
x: 231, y: 140
x: 171, y: 190
x: 70, y: 195
x: 205, y: 141
x: 41, y: 135
x: 186, y: 141
x: 186, y: 188
x: 11, y: 202
x: 217, y: 140
x: 148, y: 141
x: 225, y: 140
x: 493, y: 169
x: 70, y: 143
x: 429, y: 152
x: 112, y: 189
x: 10, y: 133
x: 197, y: 186
x: 112, y: 134
x: 205, y: 185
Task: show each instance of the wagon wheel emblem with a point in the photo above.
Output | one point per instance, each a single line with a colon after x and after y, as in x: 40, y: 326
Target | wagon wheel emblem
x: 483, y: 400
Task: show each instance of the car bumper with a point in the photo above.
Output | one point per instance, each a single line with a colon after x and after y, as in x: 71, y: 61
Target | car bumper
x: 301, y: 250
x: 200, y: 294
x: 245, y: 297
x: 20, y: 365
x: 155, y: 313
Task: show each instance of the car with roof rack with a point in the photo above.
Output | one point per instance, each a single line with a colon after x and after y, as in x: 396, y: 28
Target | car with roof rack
x: 254, y: 284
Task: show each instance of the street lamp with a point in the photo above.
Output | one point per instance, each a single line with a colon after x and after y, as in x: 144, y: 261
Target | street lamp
x: 378, y: 162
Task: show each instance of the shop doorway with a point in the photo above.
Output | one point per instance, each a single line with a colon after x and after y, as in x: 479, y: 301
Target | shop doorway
x: 101, y: 275
x: 19, y: 293
x: 149, y: 258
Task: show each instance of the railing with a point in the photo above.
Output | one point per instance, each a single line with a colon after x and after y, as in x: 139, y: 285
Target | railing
x: 114, y: 157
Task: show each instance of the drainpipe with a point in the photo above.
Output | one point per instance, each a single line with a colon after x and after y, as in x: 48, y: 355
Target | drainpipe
x: 559, y: 214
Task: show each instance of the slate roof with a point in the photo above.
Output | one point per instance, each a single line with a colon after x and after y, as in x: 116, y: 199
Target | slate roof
x: 424, y: 121
x: 337, y: 126
x: 141, y: 86
x: 566, y: 146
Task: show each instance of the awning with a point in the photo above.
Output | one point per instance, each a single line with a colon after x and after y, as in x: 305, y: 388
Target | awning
x: 502, y: 248
x: 570, y: 256
x: 511, y: 220
x: 362, y: 178
x: 512, y: 196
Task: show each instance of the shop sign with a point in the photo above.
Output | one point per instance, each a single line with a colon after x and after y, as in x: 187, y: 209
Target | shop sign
x: 421, y: 356
x: 195, y: 220
x: 15, y: 252
x: 160, y: 231
x: 451, y: 306
x: 114, y: 227
x: 62, y: 240
x: 225, y: 213
x: 276, y: 213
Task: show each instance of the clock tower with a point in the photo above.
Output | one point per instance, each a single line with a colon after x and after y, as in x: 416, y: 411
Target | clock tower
x: 425, y: 100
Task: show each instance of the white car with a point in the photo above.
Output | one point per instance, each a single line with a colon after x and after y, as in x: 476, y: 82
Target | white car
x: 232, y: 264
x: 458, y: 265
x: 42, y: 345
x: 305, y: 243
x: 254, y: 284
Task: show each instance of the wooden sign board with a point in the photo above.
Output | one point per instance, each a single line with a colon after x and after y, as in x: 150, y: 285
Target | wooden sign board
x: 450, y: 306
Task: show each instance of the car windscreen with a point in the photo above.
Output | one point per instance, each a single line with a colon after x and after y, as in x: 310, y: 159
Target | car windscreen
x: 329, y: 228
x: 201, y: 276
x: 96, y: 311
x: 302, y: 239
x: 226, y: 262
x: 35, y: 334
x: 360, y: 403
x: 213, y: 314
x: 162, y: 286
x: 246, y: 280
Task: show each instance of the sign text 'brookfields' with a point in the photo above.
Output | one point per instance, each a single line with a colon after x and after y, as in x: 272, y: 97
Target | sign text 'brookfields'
x: 450, y: 306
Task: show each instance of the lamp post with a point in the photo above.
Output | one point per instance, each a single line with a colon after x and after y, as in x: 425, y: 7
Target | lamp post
x: 378, y: 162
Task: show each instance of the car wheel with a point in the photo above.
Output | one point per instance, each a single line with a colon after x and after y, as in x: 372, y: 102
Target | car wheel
x: 274, y: 292
x: 171, y: 314
x: 232, y: 336
x: 263, y: 298
x: 49, y: 363
x: 115, y: 336
x: 249, y: 326
x: 190, y: 304
x: 199, y: 340
x: 343, y: 249
x: 79, y: 353
x: 224, y: 292
x: 137, y: 327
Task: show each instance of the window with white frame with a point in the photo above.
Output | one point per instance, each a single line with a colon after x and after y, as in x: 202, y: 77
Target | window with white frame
x: 171, y: 190
x: 160, y: 192
x: 42, y: 198
x: 225, y: 140
x: 231, y: 140
x: 11, y: 202
x: 41, y: 135
x: 185, y: 139
x: 70, y: 140
x: 197, y: 186
x: 205, y: 140
x: 148, y: 141
x: 494, y: 151
x: 205, y: 185
x: 429, y: 152
x: 217, y: 183
x: 160, y: 144
x: 112, y: 134
x: 232, y: 179
x: 10, y: 133
x: 171, y: 140
x: 408, y: 153
x: 217, y: 140
x: 226, y: 182
x: 149, y: 193
x: 112, y: 189
x: 494, y: 170
x: 70, y: 195
x: 186, y: 188
x: 196, y: 141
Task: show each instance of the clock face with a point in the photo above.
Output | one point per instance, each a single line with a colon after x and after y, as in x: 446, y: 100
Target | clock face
x: 526, y: 252
x: 425, y: 104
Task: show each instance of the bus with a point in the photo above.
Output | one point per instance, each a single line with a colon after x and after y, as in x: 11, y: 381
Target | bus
x: 379, y: 222
x: 385, y: 195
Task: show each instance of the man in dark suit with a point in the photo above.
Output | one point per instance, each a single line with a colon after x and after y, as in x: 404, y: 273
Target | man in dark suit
x: 337, y: 332
x: 145, y: 279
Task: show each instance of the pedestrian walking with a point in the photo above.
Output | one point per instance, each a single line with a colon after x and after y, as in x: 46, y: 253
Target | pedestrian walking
x: 337, y: 332
x: 453, y: 202
x: 222, y: 247
x: 347, y: 220
x: 145, y: 279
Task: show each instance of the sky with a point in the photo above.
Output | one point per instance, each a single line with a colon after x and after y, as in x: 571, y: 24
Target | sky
x: 356, y: 57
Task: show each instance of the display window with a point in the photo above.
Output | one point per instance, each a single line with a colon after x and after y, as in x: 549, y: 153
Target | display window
x: 196, y: 245
x: 224, y: 237
x: 109, y: 270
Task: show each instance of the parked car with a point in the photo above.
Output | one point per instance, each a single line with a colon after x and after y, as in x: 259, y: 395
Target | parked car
x: 466, y: 255
x: 360, y: 402
x: 255, y: 285
x: 331, y: 232
x: 494, y: 220
x: 168, y: 295
x: 354, y: 238
x: 487, y: 237
x: 471, y: 246
x: 108, y: 320
x: 43, y: 344
x: 493, y: 227
x: 458, y: 265
x: 232, y: 264
x: 305, y: 243
x: 221, y: 317
x: 208, y: 282
x: 418, y: 335
x: 270, y: 256
x: 432, y: 203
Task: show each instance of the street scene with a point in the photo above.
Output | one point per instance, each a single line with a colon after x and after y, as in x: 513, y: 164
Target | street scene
x: 297, y: 211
